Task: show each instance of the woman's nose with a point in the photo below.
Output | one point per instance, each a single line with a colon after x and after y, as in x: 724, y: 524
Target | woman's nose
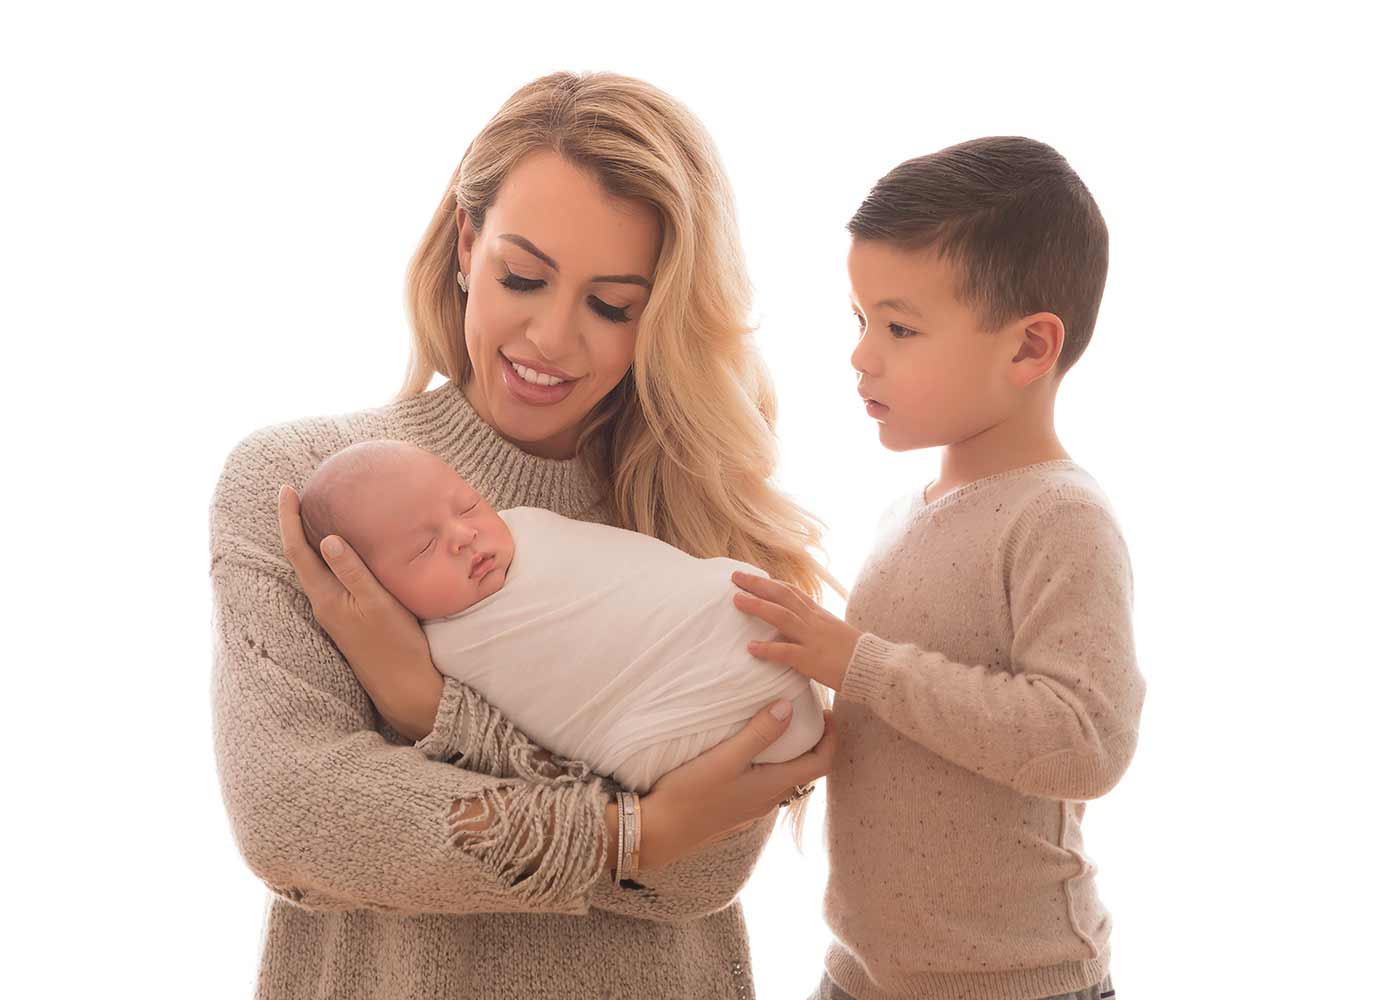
x: 553, y: 332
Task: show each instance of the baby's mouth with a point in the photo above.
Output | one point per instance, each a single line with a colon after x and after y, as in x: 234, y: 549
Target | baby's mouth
x: 481, y: 565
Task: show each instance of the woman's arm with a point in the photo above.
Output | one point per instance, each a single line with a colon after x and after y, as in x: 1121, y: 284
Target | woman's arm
x: 385, y: 646
x: 331, y: 815
x: 325, y: 809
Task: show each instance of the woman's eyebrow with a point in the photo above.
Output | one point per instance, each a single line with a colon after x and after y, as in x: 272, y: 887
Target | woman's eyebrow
x: 616, y: 279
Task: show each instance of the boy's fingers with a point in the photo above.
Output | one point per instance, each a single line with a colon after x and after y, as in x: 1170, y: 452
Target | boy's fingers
x: 774, y: 614
x: 785, y: 653
x: 315, y: 578
x: 769, y: 590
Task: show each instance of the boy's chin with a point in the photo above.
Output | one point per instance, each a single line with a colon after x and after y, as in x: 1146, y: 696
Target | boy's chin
x: 894, y: 440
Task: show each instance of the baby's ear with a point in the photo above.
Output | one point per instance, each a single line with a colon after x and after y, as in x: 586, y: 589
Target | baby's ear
x: 313, y: 537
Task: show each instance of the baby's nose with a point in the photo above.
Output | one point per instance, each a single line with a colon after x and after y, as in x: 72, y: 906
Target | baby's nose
x: 464, y: 537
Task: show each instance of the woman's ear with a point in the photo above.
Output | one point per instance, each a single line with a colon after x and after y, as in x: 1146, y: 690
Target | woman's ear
x: 466, y: 238
x: 1041, y: 337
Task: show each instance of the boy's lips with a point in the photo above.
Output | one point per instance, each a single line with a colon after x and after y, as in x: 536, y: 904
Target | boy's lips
x: 874, y: 407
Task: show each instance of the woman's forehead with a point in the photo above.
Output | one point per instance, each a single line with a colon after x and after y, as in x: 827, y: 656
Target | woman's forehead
x: 564, y: 211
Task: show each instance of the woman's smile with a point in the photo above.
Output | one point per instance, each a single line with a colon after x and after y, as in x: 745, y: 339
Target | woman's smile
x: 533, y: 393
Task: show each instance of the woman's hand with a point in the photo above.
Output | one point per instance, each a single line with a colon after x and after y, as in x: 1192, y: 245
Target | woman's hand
x: 814, y: 642
x: 723, y: 789
x: 378, y: 636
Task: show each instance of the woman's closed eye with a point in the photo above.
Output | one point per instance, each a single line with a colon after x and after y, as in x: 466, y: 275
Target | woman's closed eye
x: 612, y: 313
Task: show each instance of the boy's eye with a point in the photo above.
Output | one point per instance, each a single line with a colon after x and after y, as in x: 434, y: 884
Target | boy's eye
x: 516, y: 283
x: 900, y: 332
x: 860, y: 320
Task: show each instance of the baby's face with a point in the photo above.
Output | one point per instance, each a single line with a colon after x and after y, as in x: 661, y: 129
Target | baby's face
x: 431, y: 539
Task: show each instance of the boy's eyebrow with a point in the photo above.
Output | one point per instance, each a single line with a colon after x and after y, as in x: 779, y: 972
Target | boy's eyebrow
x: 900, y: 305
x: 616, y: 279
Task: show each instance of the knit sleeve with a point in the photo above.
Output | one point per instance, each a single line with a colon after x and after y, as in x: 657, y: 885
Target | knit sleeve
x: 1062, y: 722
x: 326, y: 810
x: 471, y: 733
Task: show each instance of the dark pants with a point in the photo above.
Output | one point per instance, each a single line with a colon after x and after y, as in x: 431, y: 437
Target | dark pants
x: 827, y: 990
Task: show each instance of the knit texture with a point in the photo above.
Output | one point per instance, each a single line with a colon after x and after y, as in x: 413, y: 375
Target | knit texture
x: 379, y: 891
x: 993, y: 690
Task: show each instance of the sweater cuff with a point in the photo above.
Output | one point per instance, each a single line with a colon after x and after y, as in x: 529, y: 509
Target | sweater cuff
x: 867, y: 675
x: 442, y: 741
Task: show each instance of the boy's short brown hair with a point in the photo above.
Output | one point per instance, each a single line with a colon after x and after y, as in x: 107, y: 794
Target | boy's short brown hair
x: 1013, y: 215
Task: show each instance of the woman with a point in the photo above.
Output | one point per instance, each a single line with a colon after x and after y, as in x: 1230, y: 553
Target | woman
x: 582, y: 290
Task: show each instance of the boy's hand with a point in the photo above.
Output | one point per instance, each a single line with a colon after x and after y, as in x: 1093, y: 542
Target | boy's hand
x: 814, y: 642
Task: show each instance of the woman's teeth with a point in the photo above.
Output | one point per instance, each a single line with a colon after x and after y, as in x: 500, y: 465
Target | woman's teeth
x: 538, y: 378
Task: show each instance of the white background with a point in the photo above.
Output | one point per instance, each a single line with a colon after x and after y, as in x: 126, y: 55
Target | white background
x: 207, y: 213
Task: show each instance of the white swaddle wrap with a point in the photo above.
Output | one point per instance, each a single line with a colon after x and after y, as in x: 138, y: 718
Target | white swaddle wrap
x: 615, y: 648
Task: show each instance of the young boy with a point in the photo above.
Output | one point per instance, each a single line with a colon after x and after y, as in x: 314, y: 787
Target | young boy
x: 986, y: 677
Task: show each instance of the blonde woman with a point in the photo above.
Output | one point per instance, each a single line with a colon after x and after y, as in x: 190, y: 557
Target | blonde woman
x: 582, y: 290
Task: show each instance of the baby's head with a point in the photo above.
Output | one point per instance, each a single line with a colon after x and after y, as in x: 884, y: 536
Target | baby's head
x: 976, y: 274
x: 428, y: 537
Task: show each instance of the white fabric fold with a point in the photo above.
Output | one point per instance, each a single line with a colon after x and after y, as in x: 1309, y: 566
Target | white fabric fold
x: 615, y: 648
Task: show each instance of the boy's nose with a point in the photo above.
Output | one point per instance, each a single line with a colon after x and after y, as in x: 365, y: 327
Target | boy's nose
x: 864, y: 359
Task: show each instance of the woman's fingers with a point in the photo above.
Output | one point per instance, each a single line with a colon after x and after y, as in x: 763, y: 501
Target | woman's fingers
x: 762, y: 731
x: 316, y: 579
x: 817, y: 762
x: 351, y: 571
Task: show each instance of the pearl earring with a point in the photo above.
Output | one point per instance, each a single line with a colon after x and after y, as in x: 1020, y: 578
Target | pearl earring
x: 461, y: 281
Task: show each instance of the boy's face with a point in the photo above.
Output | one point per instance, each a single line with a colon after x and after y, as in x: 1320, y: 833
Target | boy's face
x: 930, y: 374
x: 431, y: 540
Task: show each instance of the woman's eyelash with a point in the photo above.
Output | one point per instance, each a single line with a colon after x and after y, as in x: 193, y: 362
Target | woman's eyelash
x: 516, y: 283
x: 617, y: 314
x: 614, y: 314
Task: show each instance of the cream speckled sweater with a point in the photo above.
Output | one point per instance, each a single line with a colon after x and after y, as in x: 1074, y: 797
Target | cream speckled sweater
x: 349, y: 825
x: 994, y: 689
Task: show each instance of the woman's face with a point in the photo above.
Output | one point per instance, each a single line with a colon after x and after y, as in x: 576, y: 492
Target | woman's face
x: 557, y: 279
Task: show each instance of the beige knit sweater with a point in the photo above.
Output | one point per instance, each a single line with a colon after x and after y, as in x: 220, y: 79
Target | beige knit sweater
x: 994, y: 690
x: 349, y: 825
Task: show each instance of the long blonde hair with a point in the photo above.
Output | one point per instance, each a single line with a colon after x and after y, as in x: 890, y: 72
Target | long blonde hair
x: 686, y: 439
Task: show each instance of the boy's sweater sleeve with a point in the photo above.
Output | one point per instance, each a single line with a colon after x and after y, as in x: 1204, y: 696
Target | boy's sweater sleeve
x: 1062, y: 722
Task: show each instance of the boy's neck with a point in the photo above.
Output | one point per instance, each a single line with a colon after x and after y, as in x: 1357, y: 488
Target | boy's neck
x: 1025, y: 438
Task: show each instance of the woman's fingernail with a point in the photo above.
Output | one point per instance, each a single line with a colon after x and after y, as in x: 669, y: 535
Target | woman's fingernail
x: 781, y: 710
x: 332, y: 546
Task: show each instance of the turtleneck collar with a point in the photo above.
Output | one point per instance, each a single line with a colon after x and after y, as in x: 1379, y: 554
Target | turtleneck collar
x: 444, y: 422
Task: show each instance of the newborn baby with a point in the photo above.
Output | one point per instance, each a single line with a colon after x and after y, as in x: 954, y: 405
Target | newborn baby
x: 600, y: 644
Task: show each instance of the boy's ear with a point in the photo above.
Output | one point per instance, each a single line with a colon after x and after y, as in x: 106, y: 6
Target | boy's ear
x: 1041, y: 337
x: 466, y: 238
